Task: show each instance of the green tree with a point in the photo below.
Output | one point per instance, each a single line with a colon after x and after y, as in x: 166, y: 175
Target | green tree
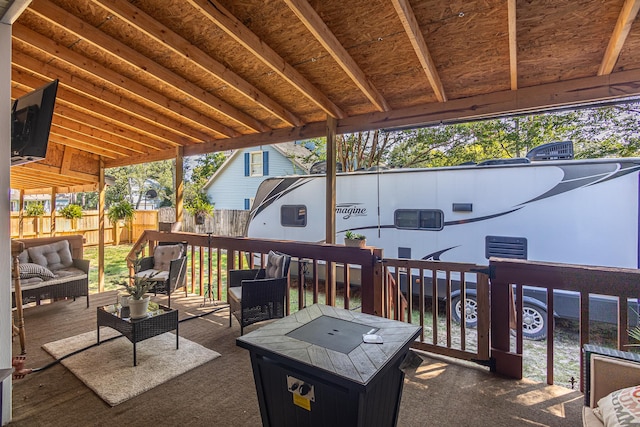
x: 205, y: 167
x: 132, y: 182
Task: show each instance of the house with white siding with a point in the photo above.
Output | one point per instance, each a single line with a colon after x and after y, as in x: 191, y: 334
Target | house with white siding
x: 234, y: 184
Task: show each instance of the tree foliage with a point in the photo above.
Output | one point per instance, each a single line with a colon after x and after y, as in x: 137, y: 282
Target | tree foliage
x: 132, y: 183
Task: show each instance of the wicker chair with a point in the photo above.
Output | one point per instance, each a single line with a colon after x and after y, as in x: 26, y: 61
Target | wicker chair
x: 254, y: 296
x: 169, y: 279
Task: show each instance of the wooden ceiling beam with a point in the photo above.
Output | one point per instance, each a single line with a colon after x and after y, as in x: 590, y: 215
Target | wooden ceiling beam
x: 412, y: 28
x: 217, y: 14
x: 110, y: 101
x: 69, y: 23
x: 111, y: 78
x: 316, y: 26
x: 620, y: 32
x: 513, y: 43
x: 180, y: 46
x: 529, y: 100
x: 82, y: 142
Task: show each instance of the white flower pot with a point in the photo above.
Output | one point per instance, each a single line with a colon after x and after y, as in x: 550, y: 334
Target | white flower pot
x: 138, y: 307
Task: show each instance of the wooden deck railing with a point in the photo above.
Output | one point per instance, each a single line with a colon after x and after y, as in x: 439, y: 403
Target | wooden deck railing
x: 586, y: 281
x: 361, y: 279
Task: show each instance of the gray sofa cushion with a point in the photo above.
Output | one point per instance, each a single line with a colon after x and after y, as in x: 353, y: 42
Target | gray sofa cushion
x: 54, y: 256
x: 23, y: 258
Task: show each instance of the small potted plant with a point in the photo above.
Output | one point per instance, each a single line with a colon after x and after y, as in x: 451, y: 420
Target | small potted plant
x: 354, y: 239
x: 72, y: 212
x: 137, y: 288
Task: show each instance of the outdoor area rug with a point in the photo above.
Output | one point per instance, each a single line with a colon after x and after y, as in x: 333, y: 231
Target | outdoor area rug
x: 108, y: 369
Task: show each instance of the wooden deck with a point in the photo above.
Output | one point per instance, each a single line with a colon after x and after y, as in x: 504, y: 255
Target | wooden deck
x: 222, y: 392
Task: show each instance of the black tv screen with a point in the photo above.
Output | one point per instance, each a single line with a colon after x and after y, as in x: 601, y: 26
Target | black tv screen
x: 31, y: 116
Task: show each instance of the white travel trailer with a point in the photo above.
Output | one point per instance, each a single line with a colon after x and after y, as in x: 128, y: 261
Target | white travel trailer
x: 568, y: 211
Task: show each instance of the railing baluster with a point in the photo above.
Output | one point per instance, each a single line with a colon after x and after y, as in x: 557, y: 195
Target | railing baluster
x: 549, y: 325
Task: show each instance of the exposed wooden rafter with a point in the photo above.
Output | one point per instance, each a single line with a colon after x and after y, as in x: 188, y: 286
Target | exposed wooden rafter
x: 620, y: 33
x: 408, y: 19
x: 513, y: 43
x: 52, y: 13
x: 156, y: 31
x: 328, y: 40
x: 234, y: 28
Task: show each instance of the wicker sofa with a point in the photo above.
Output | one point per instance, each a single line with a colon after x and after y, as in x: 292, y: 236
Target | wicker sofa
x: 53, y: 267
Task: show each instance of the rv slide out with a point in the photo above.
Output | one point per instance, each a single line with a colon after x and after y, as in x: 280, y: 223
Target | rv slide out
x: 569, y: 211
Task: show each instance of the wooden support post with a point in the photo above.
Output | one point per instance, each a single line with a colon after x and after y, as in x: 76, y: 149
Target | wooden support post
x: 16, y: 249
x: 52, y: 228
x: 179, y: 185
x: 330, y: 201
x: 101, y: 203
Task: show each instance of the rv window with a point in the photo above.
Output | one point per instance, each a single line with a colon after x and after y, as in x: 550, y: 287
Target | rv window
x: 421, y: 219
x: 256, y: 163
x: 293, y: 216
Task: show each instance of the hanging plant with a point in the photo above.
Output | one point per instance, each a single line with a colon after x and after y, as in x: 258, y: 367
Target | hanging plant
x: 71, y: 211
x: 199, y: 208
x: 122, y: 210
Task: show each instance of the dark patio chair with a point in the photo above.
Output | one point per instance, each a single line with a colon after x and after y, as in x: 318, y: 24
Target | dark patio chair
x: 167, y: 266
x: 259, y: 294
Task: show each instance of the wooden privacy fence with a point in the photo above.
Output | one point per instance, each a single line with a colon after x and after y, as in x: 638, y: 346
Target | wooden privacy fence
x: 88, y: 226
x: 223, y: 223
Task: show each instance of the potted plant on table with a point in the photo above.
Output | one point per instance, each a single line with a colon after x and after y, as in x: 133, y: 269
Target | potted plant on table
x: 137, y: 288
x: 354, y: 239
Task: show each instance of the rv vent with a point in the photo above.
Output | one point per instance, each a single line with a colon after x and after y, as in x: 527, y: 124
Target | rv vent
x: 505, y: 247
x: 552, y: 151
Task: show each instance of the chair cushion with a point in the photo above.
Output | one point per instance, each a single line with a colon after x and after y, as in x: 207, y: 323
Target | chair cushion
x: 163, y: 255
x: 29, y: 270
x: 54, y: 256
x: 620, y: 408
x: 275, y: 266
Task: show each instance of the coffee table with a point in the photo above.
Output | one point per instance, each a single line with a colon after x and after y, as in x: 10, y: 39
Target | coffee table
x: 159, y: 321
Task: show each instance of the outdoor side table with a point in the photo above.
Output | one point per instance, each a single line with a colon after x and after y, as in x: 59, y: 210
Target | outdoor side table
x: 313, y: 368
x: 159, y: 321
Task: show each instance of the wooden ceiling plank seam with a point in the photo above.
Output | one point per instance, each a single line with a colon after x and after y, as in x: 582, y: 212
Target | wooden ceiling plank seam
x: 412, y: 28
x: 86, y: 33
x: 103, y: 96
x: 317, y: 27
x: 180, y: 46
x: 110, y: 77
x: 513, y: 43
x: 620, y: 32
x: 218, y: 15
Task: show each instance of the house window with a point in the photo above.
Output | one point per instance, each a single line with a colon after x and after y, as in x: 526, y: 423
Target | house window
x: 419, y: 219
x: 256, y: 163
x: 293, y: 215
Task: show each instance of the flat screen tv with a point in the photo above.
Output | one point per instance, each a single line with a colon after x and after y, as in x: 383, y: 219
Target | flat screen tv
x: 31, y: 116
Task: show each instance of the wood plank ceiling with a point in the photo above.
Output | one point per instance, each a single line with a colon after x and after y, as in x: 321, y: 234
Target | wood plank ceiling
x: 143, y: 80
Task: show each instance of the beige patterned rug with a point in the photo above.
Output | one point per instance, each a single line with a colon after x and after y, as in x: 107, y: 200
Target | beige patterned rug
x: 109, y: 366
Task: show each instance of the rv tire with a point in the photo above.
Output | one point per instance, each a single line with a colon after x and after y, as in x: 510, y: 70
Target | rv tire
x: 471, y: 310
x: 534, y: 322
